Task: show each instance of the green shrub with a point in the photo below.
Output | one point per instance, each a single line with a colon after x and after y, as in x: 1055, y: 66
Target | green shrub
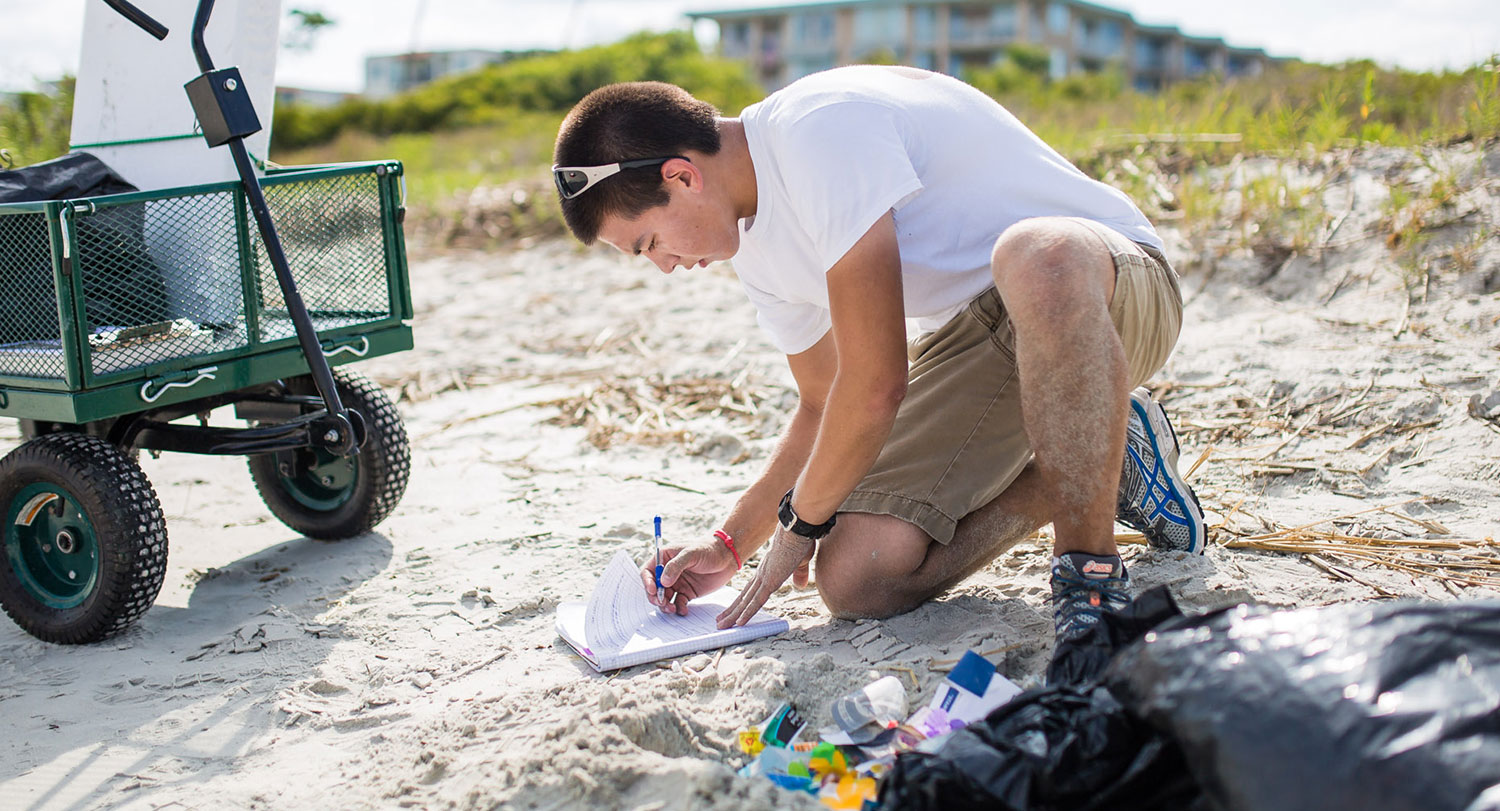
x: 34, y: 127
x: 544, y: 83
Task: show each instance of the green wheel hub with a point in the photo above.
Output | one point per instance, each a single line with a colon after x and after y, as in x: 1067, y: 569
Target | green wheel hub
x: 51, y: 545
x: 321, y: 480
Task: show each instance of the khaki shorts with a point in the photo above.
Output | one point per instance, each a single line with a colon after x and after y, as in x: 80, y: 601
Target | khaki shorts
x: 958, y: 442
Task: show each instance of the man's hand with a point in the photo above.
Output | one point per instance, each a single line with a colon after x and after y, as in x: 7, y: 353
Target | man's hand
x: 688, y: 572
x: 788, y: 556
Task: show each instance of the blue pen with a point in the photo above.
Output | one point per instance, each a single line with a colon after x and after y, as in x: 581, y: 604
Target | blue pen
x: 659, y: 592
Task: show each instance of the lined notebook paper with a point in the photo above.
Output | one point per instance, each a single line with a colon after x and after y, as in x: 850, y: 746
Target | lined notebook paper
x: 619, y: 628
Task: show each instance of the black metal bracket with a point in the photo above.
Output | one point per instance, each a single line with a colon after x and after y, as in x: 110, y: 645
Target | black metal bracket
x: 223, y: 106
x: 285, y: 422
x: 316, y: 430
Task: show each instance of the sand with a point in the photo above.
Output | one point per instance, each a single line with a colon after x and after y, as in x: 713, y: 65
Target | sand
x: 417, y: 666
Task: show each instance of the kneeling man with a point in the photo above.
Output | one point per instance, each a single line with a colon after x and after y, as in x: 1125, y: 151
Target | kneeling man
x: 852, y: 200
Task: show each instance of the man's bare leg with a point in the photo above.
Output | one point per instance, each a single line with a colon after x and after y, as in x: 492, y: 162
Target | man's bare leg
x: 1056, y: 279
x: 880, y: 565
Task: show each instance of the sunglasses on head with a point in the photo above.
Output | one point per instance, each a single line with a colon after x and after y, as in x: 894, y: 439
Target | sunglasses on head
x: 575, y: 180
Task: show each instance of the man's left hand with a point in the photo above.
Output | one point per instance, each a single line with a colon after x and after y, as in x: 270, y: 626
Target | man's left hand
x: 789, y: 554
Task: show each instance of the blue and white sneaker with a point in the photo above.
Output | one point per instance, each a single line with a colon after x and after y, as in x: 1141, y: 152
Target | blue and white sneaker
x: 1154, y: 499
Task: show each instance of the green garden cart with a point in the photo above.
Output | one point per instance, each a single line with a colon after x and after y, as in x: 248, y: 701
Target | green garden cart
x: 124, y: 316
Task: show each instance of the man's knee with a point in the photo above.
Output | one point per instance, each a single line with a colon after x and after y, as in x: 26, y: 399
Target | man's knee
x: 847, y: 598
x: 1043, y: 266
x: 864, y: 568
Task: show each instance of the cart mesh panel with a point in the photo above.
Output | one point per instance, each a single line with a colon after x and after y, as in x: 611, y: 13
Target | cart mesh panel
x: 330, y: 229
x: 30, y: 338
x: 161, y: 280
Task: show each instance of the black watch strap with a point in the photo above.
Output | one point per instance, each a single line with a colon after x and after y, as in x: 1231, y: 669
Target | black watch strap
x: 791, y: 523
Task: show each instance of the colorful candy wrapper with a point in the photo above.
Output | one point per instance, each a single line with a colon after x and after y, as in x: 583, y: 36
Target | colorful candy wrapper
x: 782, y: 728
x: 826, y: 759
x: 750, y: 742
x: 848, y: 792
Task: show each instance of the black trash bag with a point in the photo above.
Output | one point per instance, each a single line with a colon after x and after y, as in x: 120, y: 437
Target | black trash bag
x: 1084, y: 659
x: 1388, y: 707
x: 123, y: 285
x: 1066, y: 746
x: 1052, y: 749
x: 72, y: 176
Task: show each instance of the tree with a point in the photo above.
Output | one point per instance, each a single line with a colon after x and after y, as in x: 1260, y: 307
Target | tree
x: 309, y: 25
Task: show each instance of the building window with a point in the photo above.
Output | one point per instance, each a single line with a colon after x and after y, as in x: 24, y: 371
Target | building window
x: 770, y: 45
x: 1111, y: 38
x: 1003, y: 21
x: 1057, y: 63
x: 1057, y: 19
x: 982, y: 25
x: 924, y: 24
x: 1195, y: 61
x: 812, y: 29
x: 1101, y: 38
x: 736, y: 38
x: 770, y: 37
x: 1243, y: 65
x: 1150, y: 54
x: 881, y: 27
x: 924, y: 60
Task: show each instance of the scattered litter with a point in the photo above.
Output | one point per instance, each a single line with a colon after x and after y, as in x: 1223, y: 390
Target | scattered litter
x: 844, y: 767
x: 867, y: 712
x: 973, y: 689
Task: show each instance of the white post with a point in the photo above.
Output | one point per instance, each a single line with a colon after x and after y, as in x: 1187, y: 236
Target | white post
x: 130, y: 88
x: 130, y: 111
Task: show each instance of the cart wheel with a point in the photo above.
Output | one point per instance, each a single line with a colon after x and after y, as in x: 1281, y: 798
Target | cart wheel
x: 323, y: 495
x: 85, y: 545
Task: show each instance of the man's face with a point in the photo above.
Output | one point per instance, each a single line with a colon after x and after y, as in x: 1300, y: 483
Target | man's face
x: 691, y: 230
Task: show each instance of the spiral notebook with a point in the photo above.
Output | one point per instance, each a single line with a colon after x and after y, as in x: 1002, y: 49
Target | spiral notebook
x: 619, y: 628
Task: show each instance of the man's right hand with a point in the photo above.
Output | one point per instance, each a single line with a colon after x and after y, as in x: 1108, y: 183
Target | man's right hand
x: 688, y: 572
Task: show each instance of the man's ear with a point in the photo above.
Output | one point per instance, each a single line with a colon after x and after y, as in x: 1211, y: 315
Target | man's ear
x: 683, y: 171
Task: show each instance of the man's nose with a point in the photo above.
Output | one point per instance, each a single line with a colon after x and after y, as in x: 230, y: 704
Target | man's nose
x: 666, y: 263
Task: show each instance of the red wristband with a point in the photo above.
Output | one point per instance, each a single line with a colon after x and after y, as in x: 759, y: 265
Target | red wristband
x: 729, y: 542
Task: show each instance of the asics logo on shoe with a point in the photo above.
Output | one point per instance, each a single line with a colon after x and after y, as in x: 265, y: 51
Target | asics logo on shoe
x: 1154, y: 499
x: 1095, y: 568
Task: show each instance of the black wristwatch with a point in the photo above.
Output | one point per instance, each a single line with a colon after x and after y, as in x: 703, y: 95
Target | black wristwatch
x: 791, y: 523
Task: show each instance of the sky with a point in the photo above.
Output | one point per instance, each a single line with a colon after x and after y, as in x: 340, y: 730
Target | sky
x: 40, y: 39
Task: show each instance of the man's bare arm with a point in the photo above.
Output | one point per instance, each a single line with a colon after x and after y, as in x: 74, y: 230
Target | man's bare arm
x: 869, y: 335
x: 754, y: 516
x: 869, y: 332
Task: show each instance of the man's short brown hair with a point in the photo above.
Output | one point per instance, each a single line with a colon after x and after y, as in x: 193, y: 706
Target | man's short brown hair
x: 624, y: 122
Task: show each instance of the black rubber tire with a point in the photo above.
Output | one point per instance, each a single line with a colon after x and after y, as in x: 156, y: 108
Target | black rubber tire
x: 110, y: 488
x: 384, y: 464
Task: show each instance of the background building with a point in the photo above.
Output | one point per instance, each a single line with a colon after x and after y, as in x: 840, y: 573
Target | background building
x: 311, y: 98
x: 784, y: 43
x: 389, y: 75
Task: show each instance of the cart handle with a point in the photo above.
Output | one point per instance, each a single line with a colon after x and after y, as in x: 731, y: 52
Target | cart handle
x: 140, y: 18
x: 206, y: 373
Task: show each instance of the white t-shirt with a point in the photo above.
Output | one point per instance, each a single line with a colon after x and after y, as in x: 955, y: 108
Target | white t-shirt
x: 836, y: 150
